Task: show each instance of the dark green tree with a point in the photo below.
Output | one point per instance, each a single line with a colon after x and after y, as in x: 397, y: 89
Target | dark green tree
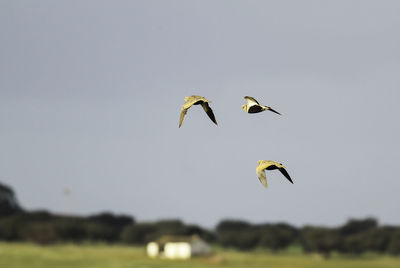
x: 8, y: 201
x: 394, y: 243
x: 232, y: 225
x: 138, y: 234
x: 320, y: 239
x: 277, y: 236
x: 358, y: 226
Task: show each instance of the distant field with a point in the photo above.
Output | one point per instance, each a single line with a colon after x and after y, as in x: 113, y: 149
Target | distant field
x: 85, y: 256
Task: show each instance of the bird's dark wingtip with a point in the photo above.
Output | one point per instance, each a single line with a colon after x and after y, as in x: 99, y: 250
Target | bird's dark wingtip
x: 272, y: 110
x: 286, y: 174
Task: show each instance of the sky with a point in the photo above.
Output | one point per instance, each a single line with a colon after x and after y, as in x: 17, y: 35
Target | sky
x: 91, y: 92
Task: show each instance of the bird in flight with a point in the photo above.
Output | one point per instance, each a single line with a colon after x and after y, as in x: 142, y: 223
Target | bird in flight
x: 196, y: 100
x: 252, y: 106
x: 270, y: 165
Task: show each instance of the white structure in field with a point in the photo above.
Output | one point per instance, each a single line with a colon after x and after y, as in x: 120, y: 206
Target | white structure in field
x: 174, y: 247
x: 152, y: 249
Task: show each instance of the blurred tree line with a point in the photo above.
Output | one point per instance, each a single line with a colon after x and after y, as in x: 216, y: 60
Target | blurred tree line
x: 357, y: 236
x: 42, y: 227
x: 354, y: 237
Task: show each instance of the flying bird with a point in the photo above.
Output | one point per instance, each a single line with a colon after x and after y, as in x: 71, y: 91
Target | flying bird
x: 252, y: 106
x: 270, y: 165
x: 196, y: 100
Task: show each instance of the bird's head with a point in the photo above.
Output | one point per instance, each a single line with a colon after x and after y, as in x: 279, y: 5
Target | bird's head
x: 244, y: 106
x: 186, y: 98
x: 282, y: 165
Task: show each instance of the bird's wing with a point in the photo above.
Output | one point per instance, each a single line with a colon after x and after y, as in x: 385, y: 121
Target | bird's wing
x: 265, y: 164
x: 209, y: 112
x: 189, y: 101
x: 262, y: 177
x: 284, y: 172
x: 251, y: 100
x: 183, y: 113
x: 272, y: 110
x: 192, y: 100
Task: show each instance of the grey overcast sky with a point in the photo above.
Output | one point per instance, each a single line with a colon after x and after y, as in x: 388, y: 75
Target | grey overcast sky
x: 90, y: 96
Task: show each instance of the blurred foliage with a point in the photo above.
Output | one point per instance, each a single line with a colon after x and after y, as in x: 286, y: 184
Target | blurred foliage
x: 138, y: 234
x: 357, y: 236
x: 394, y: 243
x: 233, y: 225
x: 8, y: 201
x: 277, y: 236
x: 320, y: 239
x: 141, y: 233
x: 245, y: 236
x: 44, y: 228
x: 358, y: 226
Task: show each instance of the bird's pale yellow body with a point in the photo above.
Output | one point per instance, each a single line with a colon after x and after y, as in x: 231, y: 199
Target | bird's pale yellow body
x: 269, y: 165
x: 252, y: 106
x: 195, y: 100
